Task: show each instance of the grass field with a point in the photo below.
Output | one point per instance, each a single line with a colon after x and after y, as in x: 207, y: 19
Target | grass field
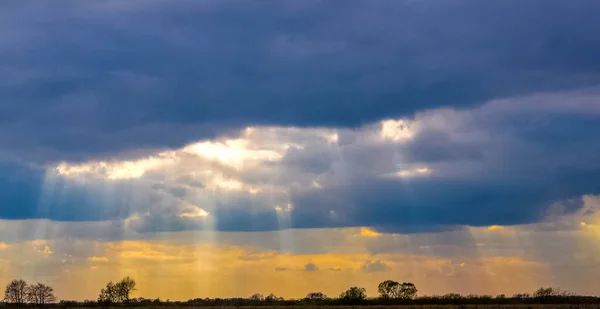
x: 491, y: 306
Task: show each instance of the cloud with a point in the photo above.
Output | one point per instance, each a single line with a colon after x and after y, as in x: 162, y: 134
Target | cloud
x: 375, y: 266
x: 204, y: 260
x: 310, y: 267
x: 459, y: 130
x: 97, y: 259
x: 536, y: 254
x: 486, y: 166
x: 75, y: 97
x: 367, y: 232
x: 281, y: 268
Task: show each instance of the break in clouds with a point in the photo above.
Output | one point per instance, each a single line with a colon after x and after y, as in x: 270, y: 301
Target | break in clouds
x: 506, y: 162
x: 451, y: 143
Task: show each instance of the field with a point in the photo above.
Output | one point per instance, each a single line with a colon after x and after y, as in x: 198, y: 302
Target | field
x: 491, y: 306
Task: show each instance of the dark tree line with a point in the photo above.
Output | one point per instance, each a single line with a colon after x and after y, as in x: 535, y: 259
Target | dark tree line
x: 19, y: 293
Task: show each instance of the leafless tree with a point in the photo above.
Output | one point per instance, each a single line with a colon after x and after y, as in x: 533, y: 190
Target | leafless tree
x: 108, y: 295
x: 272, y: 297
x: 40, y: 294
x: 125, y: 288
x: 117, y: 292
x: 315, y: 296
x: 16, y: 292
x: 257, y: 297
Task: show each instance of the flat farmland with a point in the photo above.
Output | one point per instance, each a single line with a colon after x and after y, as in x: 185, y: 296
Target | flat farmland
x: 470, y: 306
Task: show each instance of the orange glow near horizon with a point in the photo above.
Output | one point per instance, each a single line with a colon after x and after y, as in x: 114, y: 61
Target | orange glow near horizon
x: 208, y: 270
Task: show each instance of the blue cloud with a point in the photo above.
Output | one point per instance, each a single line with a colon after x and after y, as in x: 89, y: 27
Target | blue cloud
x: 85, y: 79
x: 503, y: 163
x: 95, y: 80
x: 26, y: 193
x: 20, y: 191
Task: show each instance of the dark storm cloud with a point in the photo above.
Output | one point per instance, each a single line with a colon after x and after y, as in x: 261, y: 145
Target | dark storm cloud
x: 526, y: 162
x: 84, y: 79
x: 503, y: 163
x: 424, y: 206
x: 25, y: 194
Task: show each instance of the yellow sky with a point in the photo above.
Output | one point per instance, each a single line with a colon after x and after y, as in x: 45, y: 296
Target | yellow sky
x: 561, y: 252
x: 189, y: 270
x: 185, y: 189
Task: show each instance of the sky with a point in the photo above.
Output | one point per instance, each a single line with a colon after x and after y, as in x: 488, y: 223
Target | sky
x: 225, y: 148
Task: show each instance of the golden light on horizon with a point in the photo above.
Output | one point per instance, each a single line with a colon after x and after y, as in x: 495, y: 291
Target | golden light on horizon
x: 367, y: 232
x: 226, y: 270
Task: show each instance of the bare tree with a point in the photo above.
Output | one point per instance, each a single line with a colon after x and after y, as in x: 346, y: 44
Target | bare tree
x: 272, y: 297
x: 549, y: 292
x: 16, y: 292
x: 108, y: 295
x: 315, y: 296
x: 544, y: 292
x: 117, y: 292
x: 257, y: 297
x: 125, y: 288
x: 40, y: 294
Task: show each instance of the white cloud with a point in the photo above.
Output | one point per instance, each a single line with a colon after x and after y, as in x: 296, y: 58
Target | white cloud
x: 192, y: 211
x: 374, y: 266
x: 260, y: 159
x: 397, y: 130
x: 263, y: 169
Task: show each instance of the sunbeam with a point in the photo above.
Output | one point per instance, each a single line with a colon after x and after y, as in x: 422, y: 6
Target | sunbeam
x: 300, y: 154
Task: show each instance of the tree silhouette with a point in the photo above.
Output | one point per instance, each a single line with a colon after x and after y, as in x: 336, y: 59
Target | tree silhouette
x: 549, y: 291
x: 272, y: 297
x: 407, y: 290
x: 521, y: 295
x: 543, y: 292
x: 388, y: 289
x: 117, y: 292
x: 392, y: 289
x: 16, y: 292
x: 257, y: 297
x: 108, y: 295
x: 354, y: 294
x: 40, y: 294
x: 315, y: 296
x: 125, y: 288
x: 452, y: 296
